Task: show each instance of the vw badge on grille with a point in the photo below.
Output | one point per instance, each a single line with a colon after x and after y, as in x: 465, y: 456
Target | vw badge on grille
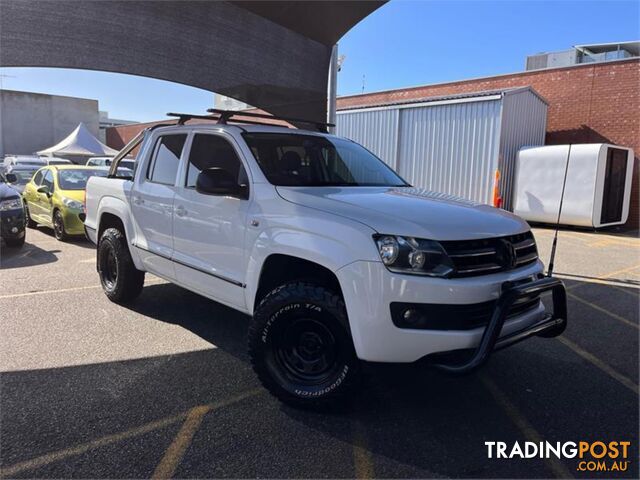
x: 507, y: 255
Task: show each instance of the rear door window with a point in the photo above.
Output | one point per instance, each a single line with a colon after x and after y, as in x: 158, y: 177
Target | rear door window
x: 213, y: 151
x: 47, y: 181
x: 37, y: 178
x: 166, y: 159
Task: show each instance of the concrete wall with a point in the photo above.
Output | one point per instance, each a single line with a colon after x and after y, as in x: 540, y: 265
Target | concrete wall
x: 33, y: 121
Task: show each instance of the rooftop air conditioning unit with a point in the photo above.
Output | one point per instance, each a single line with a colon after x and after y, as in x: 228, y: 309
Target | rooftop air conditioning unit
x: 597, y: 191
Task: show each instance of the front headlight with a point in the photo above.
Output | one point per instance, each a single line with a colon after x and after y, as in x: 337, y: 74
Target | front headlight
x: 74, y: 204
x: 11, y: 204
x: 413, y: 255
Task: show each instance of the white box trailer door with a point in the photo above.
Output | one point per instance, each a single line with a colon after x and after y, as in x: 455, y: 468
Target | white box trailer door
x: 597, y: 191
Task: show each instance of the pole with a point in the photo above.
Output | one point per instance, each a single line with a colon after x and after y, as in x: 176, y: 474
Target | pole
x: 332, y: 86
x: 555, y: 236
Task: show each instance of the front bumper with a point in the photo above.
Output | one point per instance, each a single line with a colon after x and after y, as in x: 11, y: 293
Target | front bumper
x: 73, y: 221
x: 369, y: 289
x: 551, y: 325
x: 12, y: 224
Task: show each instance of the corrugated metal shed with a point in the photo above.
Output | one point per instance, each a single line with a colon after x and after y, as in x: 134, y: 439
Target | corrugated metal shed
x: 452, y: 144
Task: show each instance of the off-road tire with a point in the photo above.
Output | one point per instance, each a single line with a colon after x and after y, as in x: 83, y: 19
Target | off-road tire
x: 121, y: 280
x: 30, y: 222
x: 58, y: 226
x: 302, y: 310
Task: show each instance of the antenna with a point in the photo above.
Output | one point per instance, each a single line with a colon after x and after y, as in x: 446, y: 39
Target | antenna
x: 555, y: 235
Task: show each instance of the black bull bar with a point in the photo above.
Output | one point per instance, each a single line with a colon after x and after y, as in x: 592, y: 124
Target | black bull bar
x: 552, y: 325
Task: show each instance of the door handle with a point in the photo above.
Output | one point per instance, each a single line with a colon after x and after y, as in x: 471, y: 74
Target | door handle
x: 138, y: 200
x: 181, y: 211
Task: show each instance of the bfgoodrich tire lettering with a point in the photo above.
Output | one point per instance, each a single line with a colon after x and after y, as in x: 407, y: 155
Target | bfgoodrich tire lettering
x: 301, y: 348
x: 120, y: 279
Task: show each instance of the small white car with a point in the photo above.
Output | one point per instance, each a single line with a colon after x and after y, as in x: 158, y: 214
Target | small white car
x: 99, y: 161
x: 106, y: 162
x: 57, y: 161
x: 30, y: 160
x: 336, y: 258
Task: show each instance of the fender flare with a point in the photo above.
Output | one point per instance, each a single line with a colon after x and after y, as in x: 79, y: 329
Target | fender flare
x: 293, y: 243
x: 119, y: 208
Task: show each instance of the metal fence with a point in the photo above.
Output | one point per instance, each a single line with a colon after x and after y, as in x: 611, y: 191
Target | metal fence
x: 452, y: 145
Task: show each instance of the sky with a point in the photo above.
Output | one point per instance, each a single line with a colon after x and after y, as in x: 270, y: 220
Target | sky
x: 404, y: 43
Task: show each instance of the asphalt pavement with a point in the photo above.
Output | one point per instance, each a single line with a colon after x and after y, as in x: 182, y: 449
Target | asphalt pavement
x: 163, y: 388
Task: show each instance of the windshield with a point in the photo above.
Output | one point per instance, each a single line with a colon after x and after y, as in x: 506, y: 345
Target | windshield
x: 77, y: 179
x: 314, y: 161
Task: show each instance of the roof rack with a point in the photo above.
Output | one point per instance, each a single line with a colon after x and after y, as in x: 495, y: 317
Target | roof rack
x: 223, y: 116
x: 183, y: 117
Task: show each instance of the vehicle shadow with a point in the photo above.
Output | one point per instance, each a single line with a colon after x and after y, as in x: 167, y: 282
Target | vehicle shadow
x: 407, y: 421
x: 76, y: 240
x: 219, y: 325
x: 28, y: 255
x: 419, y: 419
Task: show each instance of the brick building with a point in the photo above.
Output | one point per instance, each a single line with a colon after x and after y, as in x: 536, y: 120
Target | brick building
x: 588, y: 103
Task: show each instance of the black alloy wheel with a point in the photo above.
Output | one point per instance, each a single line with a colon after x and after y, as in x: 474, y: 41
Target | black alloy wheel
x: 301, y: 348
x: 121, y: 280
x: 27, y: 216
x: 109, y: 269
x: 306, y: 351
x: 58, y: 226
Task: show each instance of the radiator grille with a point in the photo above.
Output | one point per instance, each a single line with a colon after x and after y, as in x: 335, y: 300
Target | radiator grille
x: 491, y: 255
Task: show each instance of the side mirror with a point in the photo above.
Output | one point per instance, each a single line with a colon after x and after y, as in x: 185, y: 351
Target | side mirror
x: 43, y: 189
x: 218, y: 181
x: 11, y: 177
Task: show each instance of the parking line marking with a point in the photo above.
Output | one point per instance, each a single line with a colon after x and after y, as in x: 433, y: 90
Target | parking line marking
x: 624, y: 270
x: 628, y: 292
x: 44, y: 292
x: 607, y: 241
x: 585, y: 281
x: 63, y: 290
x: 603, y: 310
x: 362, y: 458
x: 174, y: 454
x: 52, y: 457
x: 627, y: 382
x: 633, y: 290
x: 519, y: 420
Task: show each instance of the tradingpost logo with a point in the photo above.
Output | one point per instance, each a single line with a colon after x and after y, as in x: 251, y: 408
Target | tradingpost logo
x: 591, y: 456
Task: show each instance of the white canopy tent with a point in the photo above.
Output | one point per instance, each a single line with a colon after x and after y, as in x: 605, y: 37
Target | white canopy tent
x: 80, y: 142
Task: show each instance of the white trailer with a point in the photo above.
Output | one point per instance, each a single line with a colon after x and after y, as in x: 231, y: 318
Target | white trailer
x: 598, y: 188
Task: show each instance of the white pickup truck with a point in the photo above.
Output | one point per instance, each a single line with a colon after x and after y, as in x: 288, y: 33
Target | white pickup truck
x: 336, y: 258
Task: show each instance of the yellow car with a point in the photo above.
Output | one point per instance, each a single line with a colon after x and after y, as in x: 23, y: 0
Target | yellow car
x: 55, y: 198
